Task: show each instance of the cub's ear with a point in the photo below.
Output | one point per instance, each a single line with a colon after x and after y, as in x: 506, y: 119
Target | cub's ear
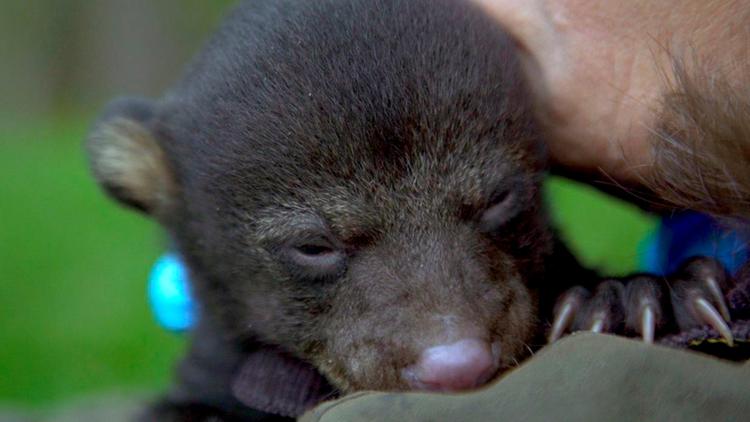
x: 127, y: 159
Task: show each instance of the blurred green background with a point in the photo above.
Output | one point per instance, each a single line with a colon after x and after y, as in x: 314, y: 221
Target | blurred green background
x: 73, y: 314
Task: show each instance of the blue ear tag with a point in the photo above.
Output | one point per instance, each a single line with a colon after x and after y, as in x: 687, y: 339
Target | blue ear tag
x: 169, y: 294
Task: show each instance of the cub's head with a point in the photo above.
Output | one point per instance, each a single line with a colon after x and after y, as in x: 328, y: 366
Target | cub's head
x: 373, y: 208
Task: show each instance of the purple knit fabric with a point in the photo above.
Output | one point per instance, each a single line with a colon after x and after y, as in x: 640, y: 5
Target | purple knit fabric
x: 274, y: 382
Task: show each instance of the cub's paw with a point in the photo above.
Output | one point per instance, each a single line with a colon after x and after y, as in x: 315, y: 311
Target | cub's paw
x: 649, y: 306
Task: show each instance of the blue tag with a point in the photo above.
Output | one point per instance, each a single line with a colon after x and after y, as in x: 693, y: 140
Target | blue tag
x: 688, y: 234
x: 169, y: 294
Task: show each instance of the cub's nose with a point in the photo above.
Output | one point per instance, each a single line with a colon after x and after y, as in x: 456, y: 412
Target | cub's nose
x: 463, y: 365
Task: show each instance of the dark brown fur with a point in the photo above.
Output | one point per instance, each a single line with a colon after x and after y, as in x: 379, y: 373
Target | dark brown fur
x: 396, y: 173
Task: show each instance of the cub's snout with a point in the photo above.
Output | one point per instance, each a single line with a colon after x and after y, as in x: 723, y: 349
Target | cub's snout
x: 463, y: 365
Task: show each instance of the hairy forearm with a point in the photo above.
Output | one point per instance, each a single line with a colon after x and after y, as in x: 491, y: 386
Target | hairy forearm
x: 602, y: 70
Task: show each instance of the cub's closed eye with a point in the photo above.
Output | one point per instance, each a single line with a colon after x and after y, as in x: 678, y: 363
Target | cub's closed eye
x: 316, y: 259
x: 501, y: 209
x: 314, y: 250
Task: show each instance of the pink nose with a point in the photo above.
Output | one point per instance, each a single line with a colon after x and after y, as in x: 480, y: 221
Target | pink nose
x: 463, y: 365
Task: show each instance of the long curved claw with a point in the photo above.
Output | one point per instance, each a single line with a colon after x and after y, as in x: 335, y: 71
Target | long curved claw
x: 711, y: 316
x: 563, y: 320
x: 718, y: 296
x: 597, y: 324
x: 648, y: 324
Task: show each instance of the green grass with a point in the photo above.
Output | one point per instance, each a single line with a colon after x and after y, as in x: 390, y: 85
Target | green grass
x: 73, y: 312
